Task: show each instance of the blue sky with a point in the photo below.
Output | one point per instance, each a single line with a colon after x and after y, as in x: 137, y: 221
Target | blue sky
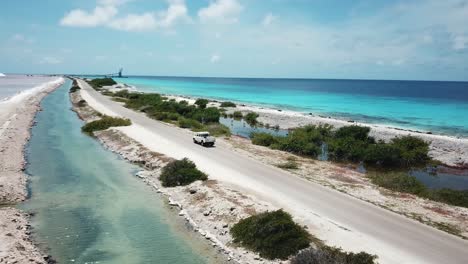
x: 367, y: 39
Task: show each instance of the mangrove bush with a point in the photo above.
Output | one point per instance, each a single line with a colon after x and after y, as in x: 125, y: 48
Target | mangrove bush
x: 228, y: 104
x: 328, y: 255
x: 180, y: 173
x: 104, y: 123
x: 274, y: 235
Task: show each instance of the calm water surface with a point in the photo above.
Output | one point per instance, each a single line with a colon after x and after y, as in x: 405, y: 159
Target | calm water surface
x: 440, y: 107
x: 89, y: 206
x: 443, y: 178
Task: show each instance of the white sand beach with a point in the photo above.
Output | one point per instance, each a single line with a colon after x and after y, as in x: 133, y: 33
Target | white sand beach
x: 339, y: 219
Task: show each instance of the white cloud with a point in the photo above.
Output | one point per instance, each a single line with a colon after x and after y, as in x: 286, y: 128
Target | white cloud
x: 460, y: 42
x: 105, y: 14
x: 80, y: 18
x: 268, y: 19
x: 177, y: 11
x: 134, y: 22
x: 215, y: 58
x: 50, y: 60
x: 221, y: 11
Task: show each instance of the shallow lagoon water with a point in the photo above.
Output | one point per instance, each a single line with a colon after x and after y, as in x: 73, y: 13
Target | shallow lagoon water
x: 442, y: 178
x: 89, y: 208
x: 241, y: 128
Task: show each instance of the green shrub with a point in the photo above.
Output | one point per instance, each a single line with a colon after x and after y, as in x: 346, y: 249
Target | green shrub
x: 289, y: 165
x: 274, y: 235
x: 381, y: 154
x: 355, y: 132
x: 328, y: 255
x: 263, y: 139
x: 173, y: 116
x: 349, y: 143
x: 120, y: 100
x: 122, y: 93
x: 180, y: 173
x: 217, y: 129
x: 207, y: 115
x: 155, y: 106
x: 306, y: 140
x: 81, y: 103
x: 100, y: 82
x: 189, y: 123
x: 398, y: 181
x: 161, y: 116
x: 104, y: 123
x: 450, y: 196
x: 347, y: 149
x: 107, y: 92
x: 237, y: 115
x: 228, y: 104
x: 74, y: 88
x: 414, y: 151
x: 251, y: 118
x: 201, y: 103
x: 402, y: 182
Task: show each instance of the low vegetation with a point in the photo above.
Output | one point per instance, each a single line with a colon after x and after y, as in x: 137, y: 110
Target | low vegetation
x: 274, y: 235
x: 104, y: 123
x: 100, y: 82
x: 398, y: 181
x: 227, y: 104
x: 81, y: 103
x: 202, y: 103
x: 196, y: 117
x: 353, y: 144
x: 251, y: 118
x: 290, y: 164
x: 327, y: 255
x: 74, y: 87
x: 349, y: 143
x: 237, y: 115
x: 402, y: 182
x: 180, y: 173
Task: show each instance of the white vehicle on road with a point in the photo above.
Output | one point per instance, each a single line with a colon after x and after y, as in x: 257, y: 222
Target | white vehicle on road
x: 204, y: 139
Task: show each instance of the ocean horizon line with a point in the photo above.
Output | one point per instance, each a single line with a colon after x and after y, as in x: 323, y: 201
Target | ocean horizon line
x: 245, y: 77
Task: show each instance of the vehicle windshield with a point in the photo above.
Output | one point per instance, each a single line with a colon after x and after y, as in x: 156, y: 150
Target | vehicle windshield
x: 204, y: 135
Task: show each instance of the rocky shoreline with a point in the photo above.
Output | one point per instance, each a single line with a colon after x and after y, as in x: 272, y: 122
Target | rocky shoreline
x: 208, y: 208
x: 17, y: 118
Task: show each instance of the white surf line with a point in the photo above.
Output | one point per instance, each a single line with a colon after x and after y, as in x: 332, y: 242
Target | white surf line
x: 6, y: 124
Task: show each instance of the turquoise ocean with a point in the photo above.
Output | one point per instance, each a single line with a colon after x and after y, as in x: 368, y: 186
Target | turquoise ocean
x: 439, y: 107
